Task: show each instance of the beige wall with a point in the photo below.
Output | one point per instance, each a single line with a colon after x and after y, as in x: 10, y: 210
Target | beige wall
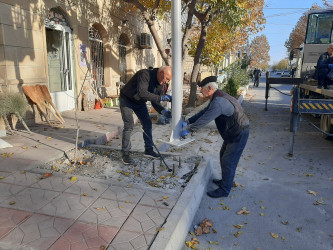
x: 23, y: 57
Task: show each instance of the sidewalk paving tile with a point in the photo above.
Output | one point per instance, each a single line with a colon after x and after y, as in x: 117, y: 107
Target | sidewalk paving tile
x: 30, y: 199
x: 39, y: 231
x: 159, y: 199
x: 21, y: 178
x: 146, y: 219
x: 67, y: 205
x: 12, y: 164
x: 82, y: 236
x: 127, y: 240
x: 107, y: 212
x: 55, y: 183
x: 123, y: 194
x: 7, y: 190
x: 9, y: 218
x: 85, y: 187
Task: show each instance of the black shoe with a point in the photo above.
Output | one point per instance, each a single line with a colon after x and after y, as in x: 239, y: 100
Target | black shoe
x: 127, y: 159
x: 217, y: 182
x: 217, y: 193
x: 149, y: 152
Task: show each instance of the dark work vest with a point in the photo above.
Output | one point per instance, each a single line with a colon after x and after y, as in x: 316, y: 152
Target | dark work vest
x: 230, y: 126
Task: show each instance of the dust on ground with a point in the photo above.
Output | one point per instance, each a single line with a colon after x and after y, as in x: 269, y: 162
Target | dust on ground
x: 104, y: 163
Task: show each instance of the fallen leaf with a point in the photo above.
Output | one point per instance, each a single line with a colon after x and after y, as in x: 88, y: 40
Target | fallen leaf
x: 22, y: 172
x: 25, y: 148
x: 47, y: 175
x: 54, y: 167
x: 102, y: 248
x: 275, y: 236
x: 236, y: 184
x: 84, y: 194
x: 312, y: 192
x: 165, y: 197
x: 160, y: 229
x: 262, y: 214
x: 73, y: 178
x: 238, y: 226
x: 237, y: 234
x: 319, y: 202
x: 285, y: 222
x: 214, y: 231
x: 12, y: 203
x: 1, y: 177
x: 162, y: 177
x: 299, y: 229
x: 48, y: 138
x: 243, y: 211
x: 99, y: 208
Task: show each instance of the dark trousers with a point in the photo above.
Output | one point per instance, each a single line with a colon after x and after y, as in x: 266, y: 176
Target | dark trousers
x: 229, y: 157
x: 141, y: 111
x: 323, y: 80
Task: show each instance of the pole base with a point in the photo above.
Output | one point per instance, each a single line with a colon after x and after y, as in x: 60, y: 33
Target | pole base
x: 179, y: 143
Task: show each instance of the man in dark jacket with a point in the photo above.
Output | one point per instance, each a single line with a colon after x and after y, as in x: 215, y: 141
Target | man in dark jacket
x: 233, y: 126
x: 324, y: 66
x: 145, y: 85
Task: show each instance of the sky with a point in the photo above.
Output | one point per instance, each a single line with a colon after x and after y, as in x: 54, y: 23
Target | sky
x: 281, y: 17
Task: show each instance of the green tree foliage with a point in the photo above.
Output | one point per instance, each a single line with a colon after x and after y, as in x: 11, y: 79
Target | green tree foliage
x: 231, y: 87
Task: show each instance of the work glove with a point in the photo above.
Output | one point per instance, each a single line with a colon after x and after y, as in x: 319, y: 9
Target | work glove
x: 168, y: 98
x: 166, y: 113
x: 185, y: 133
x: 330, y: 66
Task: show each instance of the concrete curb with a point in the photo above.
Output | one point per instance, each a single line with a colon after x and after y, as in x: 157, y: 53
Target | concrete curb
x: 180, y: 219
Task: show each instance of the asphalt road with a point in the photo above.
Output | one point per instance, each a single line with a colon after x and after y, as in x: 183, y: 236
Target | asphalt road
x: 290, y: 199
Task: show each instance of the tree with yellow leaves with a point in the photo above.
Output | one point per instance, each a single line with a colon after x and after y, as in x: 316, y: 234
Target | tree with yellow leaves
x: 227, y: 23
x: 259, y: 48
x: 222, y: 22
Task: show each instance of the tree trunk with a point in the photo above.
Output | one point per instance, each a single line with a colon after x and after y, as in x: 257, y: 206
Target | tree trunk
x: 188, y: 27
x: 196, y: 66
x: 158, y: 43
x: 150, y: 21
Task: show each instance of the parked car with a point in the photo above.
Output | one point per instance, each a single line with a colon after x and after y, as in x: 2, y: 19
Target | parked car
x: 285, y: 73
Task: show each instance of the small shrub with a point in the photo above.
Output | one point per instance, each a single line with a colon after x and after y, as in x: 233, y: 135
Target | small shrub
x: 231, y: 87
x: 11, y: 103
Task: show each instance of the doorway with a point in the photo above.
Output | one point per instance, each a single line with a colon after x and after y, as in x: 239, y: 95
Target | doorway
x: 59, y: 54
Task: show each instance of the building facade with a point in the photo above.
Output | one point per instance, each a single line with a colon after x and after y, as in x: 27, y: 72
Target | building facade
x: 60, y: 43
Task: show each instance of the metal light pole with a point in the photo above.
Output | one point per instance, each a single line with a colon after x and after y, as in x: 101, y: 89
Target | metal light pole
x: 177, y: 71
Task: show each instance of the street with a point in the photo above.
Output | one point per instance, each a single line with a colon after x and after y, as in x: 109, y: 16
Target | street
x: 288, y: 199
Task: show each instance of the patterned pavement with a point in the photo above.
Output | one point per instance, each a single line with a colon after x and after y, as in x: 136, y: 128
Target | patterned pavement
x: 56, y: 213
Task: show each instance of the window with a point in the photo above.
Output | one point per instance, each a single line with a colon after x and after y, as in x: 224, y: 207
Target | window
x: 319, y: 30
